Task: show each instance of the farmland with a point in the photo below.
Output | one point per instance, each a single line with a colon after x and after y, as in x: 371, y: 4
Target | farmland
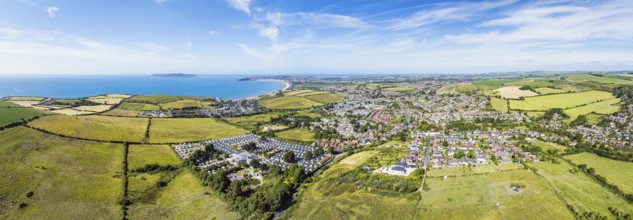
x: 10, y: 115
x: 546, y: 91
x: 579, y: 190
x: 301, y: 99
x: 548, y: 145
x: 138, y: 106
x: 7, y: 104
x: 94, y: 127
x: 568, y: 100
x: 68, y: 179
x: 167, y: 130
x: 182, y: 104
x: 616, y: 172
x: 183, y: 198
x: 605, y: 79
x: 154, y: 99
x: 479, y: 169
x: 603, y: 107
x: 477, y: 196
x: 296, y: 134
x: 250, y: 122
x: 141, y: 155
x: 400, y: 89
x: 499, y: 104
x: 513, y: 92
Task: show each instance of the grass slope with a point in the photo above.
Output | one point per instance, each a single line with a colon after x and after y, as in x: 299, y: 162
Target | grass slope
x: 10, y: 115
x: 141, y: 155
x: 168, y: 130
x: 564, y: 101
x: 619, y: 173
x: 499, y: 104
x: 296, y: 134
x: 70, y: 179
x: 94, y: 127
x: 292, y: 102
x: 604, y: 107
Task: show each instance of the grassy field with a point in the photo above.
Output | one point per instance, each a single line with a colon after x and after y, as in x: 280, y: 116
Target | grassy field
x: 564, y: 101
x: 155, y: 99
x: 291, y: 102
x: 7, y: 104
x: 457, y: 88
x: 400, y: 89
x: 94, y: 127
x: 183, y: 198
x: 70, y: 179
x: 326, y: 199
x: 250, y: 122
x: 604, y: 107
x: 138, y: 106
x: 545, y: 91
x: 610, y: 79
x: 121, y: 112
x: 548, y: 145
x: 593, y: 118
x: 296, y: 134
x: 141, y: 155
x: 476, y: 197
x: 94, y: 108
x: 187, y: 104
x: 69, y: 111
x: 25, y: 98
x: 579, y: 190
x: 301, y: 99
x: 619, y: 173
x: 167, y: 130
x: 10, y: 115
x: 479, y: 169
x: 499, y: 104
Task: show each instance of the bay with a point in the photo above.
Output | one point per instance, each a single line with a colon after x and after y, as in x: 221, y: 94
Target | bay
x: 228, y: 87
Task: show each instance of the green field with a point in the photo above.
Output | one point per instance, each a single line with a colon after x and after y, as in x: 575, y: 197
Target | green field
x: 181, y: 104
x: 138, y: 106
x: 476, y: 197
x: 610, y: 79
x: 155, y: 99
x: 7, y: 104
x: 568, y: 100
x: 546, y: 91
x: 94, y: 127
x: 10, y: 115
x: 172, y: 130
x: 326, y: 199
x: 301, y: 99
x: 141, y: 155
x: 70, y: 179
x: 457, y: 88
x: 548, y: 145
x: 619, y: 173
x: 400, y: 89
x: 499, y: 104
x: 579, y: 190
x: 593, y: 118
x: 479, y: 169
x: 298, y: 134
x: 183, y: 198
x: 250, y: 122
x: 121, y: 112
x: 604, y: 107
x: 292, y: 102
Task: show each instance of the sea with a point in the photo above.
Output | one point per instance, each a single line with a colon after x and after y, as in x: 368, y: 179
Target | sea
x: 228, y: 87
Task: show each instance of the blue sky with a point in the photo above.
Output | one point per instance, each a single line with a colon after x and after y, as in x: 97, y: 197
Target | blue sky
x: 307, y: 37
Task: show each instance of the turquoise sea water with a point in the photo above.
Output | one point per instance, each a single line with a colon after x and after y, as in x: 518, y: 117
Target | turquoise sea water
x: 82, y: 86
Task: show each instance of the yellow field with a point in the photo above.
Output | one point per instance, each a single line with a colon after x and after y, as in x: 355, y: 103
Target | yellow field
x: 604, y: 107
x: 292, y: 102
x: 545, y: 91
x: 296, y: 134
x: 499, y: 104
x: 94, y: 127
x: 168, y: 130
x: 567, y: 100
x: 95, y: 108
x: 513, y: 92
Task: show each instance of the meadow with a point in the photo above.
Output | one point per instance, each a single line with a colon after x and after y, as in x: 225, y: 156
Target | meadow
x: 178, y: 130
x: 513, y: 92
x: 250, y: 122
x: 477, y: 196
x: 400, y: 89
x: 94, y: 127
x: 7, y: 104
x: 479, y: 169
x: 327, y: 199
x: 154, y: 99
x: 10, y: 115
x: 65, y: 178
x: 138, y: 106
x: 183, y: 198
x: 181, y: 104
x: 616, y: 172
x: 564, y: 101
x: 499, y: 104
x: 297, y: 134
x: 579, y: 190
x: 141, y: 155
x: 546, y: 91
x: 603, y: 107
x: 457, y: 88
x: 610, y: 79
x: 548, y: 145
x: 301, y: 99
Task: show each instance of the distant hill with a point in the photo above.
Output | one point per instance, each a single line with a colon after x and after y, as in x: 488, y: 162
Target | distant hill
x: 173, y: 75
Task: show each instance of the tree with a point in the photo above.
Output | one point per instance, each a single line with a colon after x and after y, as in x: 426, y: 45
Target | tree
x: 307, y: 155
x: 254, y: 163
x: 289, y: 157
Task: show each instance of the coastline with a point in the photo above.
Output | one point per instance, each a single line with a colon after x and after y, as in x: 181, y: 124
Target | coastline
x: 278, y: 80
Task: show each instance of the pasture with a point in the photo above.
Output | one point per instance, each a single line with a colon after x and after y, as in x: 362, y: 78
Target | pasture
x: 291, y: 102
x: 7, y: 104
x: 181, y: 104
x: 70, y: 111
x: 68, y: 179
x: 121, y: 112
x: 498, y: 104
x: 477, y: 196
x: 579, y: 190
x: 297, y: 134
x: 10, y: 115
x: 603, y: 107
x: 250, y: 122
x: 154, y: 99
x: 457, y: 88
x: 547, y: 91
x: 178, y: 130
x: 606, y: 78
x: 619, y: 173
x: 479, y: 169
x: 564, y: 101
x: 548, y: 145
x: 183, y: 198
x: 513, y: 92
x: 328, y: 98
x: 141, y: 155
x: 138, y: 106
x: 400, y: 89
x: 94, y: 127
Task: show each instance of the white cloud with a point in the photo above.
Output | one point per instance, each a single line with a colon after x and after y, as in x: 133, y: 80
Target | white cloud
x: 52, y: 11
x: 211, y: 33
x: 160, y: 1
x: 242, y: 5
x: 448, y: 13
x: 189, y: 43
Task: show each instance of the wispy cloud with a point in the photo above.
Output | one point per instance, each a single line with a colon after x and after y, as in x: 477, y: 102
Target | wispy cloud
x: 52, y: 11
x: 242, y: 5
x: 160, y: 1
x: 447, y: 13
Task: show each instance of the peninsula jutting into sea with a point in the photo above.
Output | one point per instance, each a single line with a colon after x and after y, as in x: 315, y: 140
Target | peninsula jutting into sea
x: 259, y: 109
